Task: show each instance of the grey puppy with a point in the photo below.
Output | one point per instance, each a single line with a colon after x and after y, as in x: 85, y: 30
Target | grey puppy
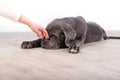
x: 69, y: 32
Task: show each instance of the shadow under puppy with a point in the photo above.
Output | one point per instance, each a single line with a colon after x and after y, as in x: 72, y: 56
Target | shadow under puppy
x: 69, y: 32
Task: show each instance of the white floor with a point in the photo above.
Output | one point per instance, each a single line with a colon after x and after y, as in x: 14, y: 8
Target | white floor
x: 96, y: 61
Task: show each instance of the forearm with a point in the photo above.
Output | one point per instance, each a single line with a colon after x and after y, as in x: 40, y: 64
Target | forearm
x: 25, y: 20
x: 13, y: 14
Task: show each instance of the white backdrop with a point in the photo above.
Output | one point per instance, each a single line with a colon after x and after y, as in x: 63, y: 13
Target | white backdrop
x: 104, y: 12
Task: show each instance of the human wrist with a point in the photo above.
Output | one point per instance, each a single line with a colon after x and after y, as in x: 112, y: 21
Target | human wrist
x: 25, y: 20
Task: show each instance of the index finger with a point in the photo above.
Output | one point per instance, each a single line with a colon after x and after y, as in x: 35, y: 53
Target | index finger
x: 45, y: 34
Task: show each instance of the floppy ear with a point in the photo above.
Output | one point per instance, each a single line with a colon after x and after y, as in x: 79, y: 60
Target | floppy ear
x: 70, y: 33
x: 54, y: 31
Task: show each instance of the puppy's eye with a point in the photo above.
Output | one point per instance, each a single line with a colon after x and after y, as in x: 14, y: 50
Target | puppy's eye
x: 46, y: 39
x: 51, y: 35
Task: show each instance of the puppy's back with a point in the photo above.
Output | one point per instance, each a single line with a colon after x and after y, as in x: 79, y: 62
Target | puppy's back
x: 94, y: 32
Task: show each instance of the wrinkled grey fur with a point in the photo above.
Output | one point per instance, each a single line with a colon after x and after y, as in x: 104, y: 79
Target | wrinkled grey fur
x: 70, y: 32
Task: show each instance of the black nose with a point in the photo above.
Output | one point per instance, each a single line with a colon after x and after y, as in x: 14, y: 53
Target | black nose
x: 43, y: 47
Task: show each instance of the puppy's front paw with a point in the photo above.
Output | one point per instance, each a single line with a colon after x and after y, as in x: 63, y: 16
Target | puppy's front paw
x: 27, y: 45
x: 74, y: 50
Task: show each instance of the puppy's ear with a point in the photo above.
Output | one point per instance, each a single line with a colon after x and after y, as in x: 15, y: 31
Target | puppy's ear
x: 70, y: 33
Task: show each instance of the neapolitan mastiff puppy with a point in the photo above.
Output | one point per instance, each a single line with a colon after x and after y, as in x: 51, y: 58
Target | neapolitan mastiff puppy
x: 69, y: 32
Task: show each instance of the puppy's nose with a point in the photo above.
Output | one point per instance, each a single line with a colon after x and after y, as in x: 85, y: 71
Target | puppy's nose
x: 43, y: 47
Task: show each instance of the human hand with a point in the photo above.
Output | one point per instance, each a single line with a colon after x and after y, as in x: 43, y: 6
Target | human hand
x: 39, y: 30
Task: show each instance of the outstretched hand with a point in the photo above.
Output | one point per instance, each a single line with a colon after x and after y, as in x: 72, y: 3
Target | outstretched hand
x: 39, y: 30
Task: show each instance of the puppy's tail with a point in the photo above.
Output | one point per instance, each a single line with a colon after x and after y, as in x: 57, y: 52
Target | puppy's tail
x: 113, y: 37
x: 109, y: 37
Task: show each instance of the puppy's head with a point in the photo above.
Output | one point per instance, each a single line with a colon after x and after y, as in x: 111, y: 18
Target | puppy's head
x: 51, y: 43
x: 54, y: 31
